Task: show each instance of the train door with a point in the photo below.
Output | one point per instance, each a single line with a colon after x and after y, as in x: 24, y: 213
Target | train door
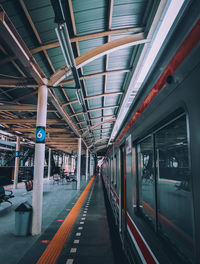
x: 122, y: 194
x: 146, y: 179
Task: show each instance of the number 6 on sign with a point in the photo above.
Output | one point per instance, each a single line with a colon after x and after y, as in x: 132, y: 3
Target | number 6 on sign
x: 40, y: 134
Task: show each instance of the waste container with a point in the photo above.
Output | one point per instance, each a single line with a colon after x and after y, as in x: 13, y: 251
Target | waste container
x: 23, y: 218
x: 74, y: 184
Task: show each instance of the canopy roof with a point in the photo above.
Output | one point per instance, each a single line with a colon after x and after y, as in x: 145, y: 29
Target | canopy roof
x: 107, y: 39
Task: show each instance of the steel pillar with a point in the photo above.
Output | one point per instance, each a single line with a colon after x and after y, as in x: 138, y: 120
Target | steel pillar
x: 91, y: 165
x: 39, y: 160
x: 79, y: 164
x: 86, y: 163
x: 16, y: 162
x: 49, y: 164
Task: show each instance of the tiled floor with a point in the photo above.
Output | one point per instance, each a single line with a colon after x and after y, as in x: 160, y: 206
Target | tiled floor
x: 55, y: 199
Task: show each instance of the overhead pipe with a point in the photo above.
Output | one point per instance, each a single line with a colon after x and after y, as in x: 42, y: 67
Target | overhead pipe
x: 65, y: 43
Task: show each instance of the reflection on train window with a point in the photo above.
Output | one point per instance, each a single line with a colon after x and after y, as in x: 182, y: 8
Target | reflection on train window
x: 146, y: 178
x: 174, y: 199
x: 115, y: 170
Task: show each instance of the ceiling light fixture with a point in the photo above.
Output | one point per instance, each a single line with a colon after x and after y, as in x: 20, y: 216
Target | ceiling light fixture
x: 160, y: 32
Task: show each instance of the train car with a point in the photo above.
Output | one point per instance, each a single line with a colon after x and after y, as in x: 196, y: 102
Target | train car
x: 151, y: 173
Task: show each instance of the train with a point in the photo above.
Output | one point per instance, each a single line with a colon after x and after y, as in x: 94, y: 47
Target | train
x: 151, y: 173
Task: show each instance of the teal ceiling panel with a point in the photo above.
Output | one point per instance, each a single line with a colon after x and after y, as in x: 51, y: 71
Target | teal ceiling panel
x: 94, y: 85
x: 126, y: 21
x: 54, y: 53
x: 87, y: 45
x: 115, y: 82
x: 77, y: 108
x: 114, y: 37
x: 111, y: 100
x: 128, y: 14
x: 79, y: 6
x: 45, y: 67
x: 8, y: 69
x: 71, y: 94
x: 94, y: 114
x: 129, y: 9
x: 91, y: 27
x: 89, y: 16
x: 95, y: 103
x: 36, y: 4
x: 120, y: 59
x: 109, y: 111
x: 42, y: 13
x: 94, y: 66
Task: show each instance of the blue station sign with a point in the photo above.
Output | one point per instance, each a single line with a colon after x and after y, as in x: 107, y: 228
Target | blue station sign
x: 40, y: 134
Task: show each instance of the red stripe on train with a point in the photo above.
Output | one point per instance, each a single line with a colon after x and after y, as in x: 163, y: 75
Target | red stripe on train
x: 186, y: 47
x: 115, y: 195
x: 141, y: 244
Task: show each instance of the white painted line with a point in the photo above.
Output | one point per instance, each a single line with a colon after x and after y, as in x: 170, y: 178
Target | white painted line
x: 69, y: 261
x: 83, y: 218
x: 76, y: 241
x: 84, y: 214
x: 81, y: 223
x: 73, y: 250
x: 80, y: 227
x: 78, y: 234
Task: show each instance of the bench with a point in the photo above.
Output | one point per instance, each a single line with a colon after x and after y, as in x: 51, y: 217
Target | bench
x: 5, y: 195
x: 56, y: 178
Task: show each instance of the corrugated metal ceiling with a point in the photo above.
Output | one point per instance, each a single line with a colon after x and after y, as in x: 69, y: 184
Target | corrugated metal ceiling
x: 35, y: 23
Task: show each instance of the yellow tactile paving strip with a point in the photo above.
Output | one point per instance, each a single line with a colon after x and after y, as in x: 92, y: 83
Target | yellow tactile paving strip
x: 56, y: 245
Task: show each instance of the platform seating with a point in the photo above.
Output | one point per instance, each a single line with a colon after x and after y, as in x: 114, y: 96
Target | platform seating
x: 5, y: 195
x: 56, y: 178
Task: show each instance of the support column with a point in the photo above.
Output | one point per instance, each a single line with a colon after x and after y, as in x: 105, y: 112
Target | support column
x: 91, y: 165
x: 67, y: 163
x: 39, y: 160
x: 79, y: 164
x: 86, y: 163
x: 16, y: 162
x: 49, y: 164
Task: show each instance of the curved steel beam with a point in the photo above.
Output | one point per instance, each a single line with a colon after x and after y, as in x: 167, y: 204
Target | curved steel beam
x: 98, y: 52
x: 101, y: 147
x: 44, y: 47
x: 103, y: 122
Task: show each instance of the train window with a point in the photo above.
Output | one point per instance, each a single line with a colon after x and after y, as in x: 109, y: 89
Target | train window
x: 112, y: 172
x: 174, y: 197
x: 115, y: 170
x: 146, y: 178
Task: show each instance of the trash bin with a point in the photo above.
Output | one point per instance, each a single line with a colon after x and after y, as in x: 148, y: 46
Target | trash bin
x: 74, y: 184
x: 23, y: 215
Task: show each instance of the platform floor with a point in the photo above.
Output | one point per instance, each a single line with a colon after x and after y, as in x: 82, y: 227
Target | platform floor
x: 91, y: 239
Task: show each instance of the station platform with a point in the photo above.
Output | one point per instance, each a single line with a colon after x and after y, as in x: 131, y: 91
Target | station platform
x: 75, y: 228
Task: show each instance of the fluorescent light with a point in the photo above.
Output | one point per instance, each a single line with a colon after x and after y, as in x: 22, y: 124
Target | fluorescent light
x: 159, y: 37
x: 80, y: 96
x: 63, y: 45
x: 170, y: 13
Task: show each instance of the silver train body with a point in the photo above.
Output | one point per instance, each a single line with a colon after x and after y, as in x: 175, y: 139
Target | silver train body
x: 152, y: 172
